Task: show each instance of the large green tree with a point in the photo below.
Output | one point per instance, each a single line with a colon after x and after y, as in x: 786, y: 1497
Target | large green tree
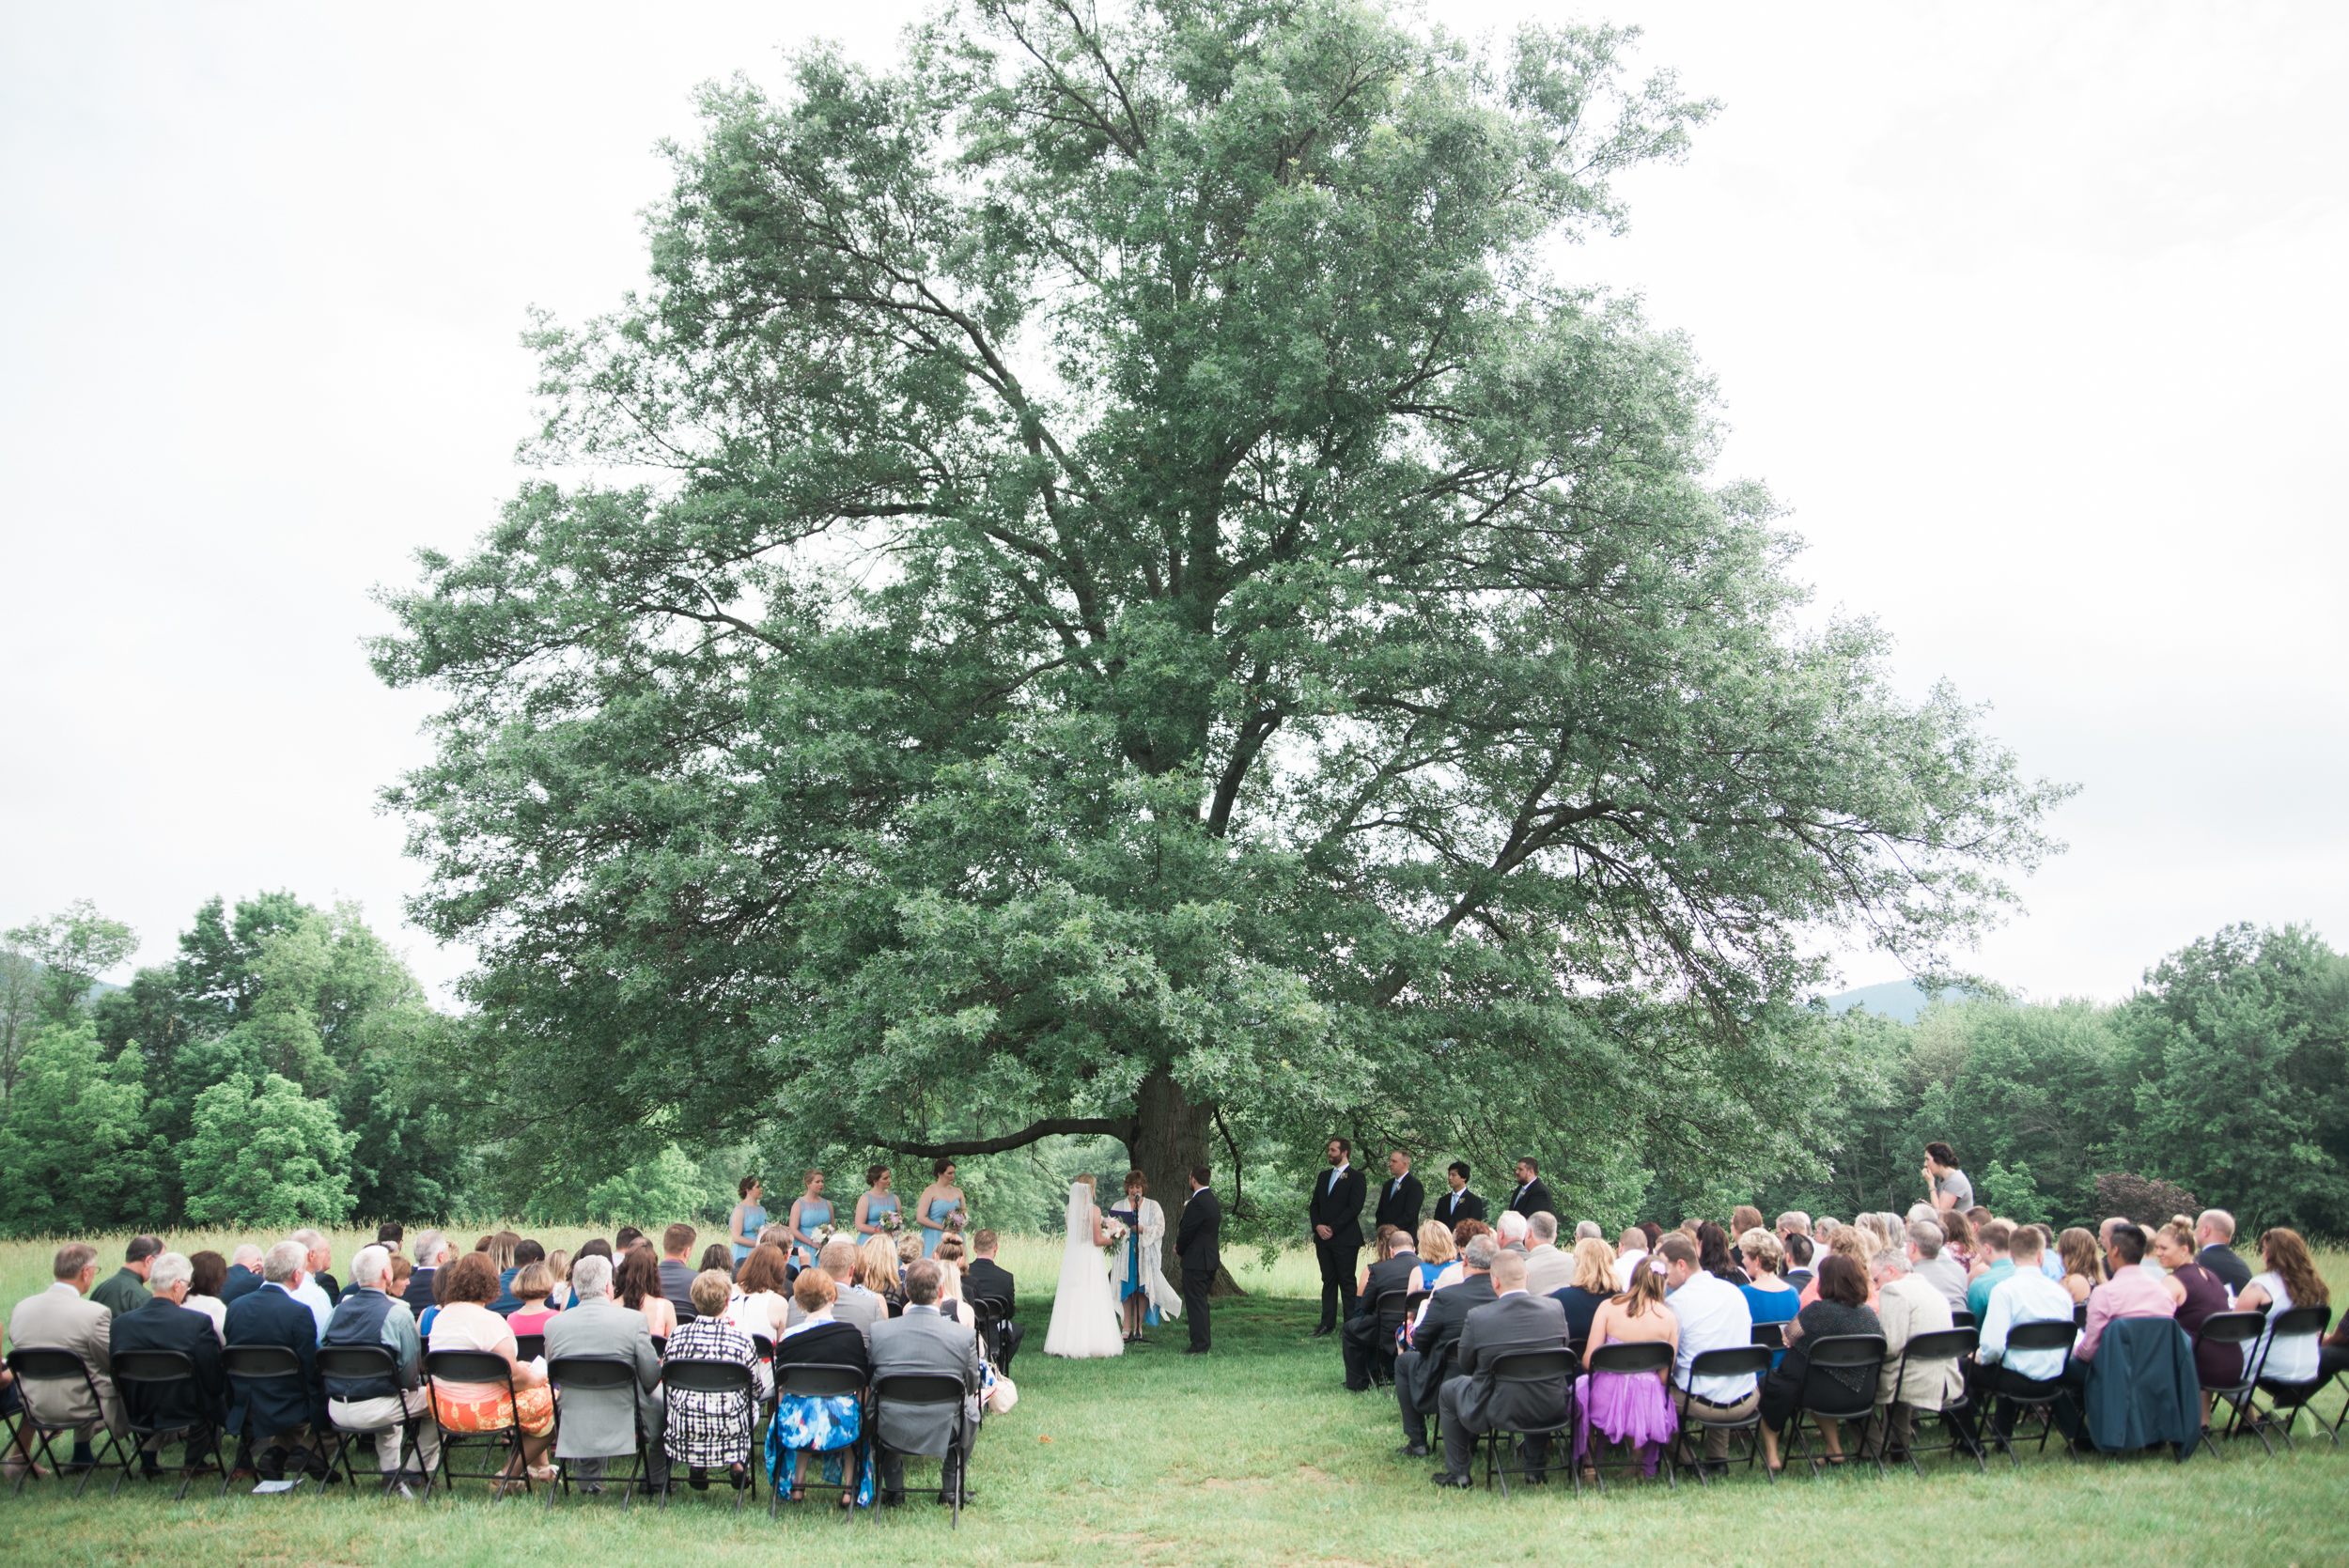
x: 1102, y: 588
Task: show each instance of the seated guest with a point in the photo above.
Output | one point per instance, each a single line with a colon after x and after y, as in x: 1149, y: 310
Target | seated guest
x: 2214, y: 1232
x: 518, y: 1253
x: 2130, y: 1293
x: 639, y: 1290
x: 2083, y: 1266
x: 1633, y: 1408
x: 1992, y: 1261
x: 1712, y: 1316
x: 1421, y: 1372
x: 281, y: 1419
x: 1513, y: 1227
x: 717, y: 1255
x: 1744, y: 1218
x: 1717, y: 1255
x: 465, y: 1322
x: 244, y: 1273
x: 989, y: 1282
x: 879, y: 1271
x: 1842, y: 1308
x: 1848, y: 1242
x: 832, y: 1425
x: 712, y: 1428
x: 1768, y: 1298
x: 1359, y: 1336
x: 1437, y: 1252
x: 2050, y: 1260
x: 60, y: 1319
x: 921, y: 1341
x: 1475, y: 1402
x: 1381, y: 1249
x: 1908, y: 1306
x: 1630, y: 1253
x: 319, y: 1290
x: 1960, y: 1246
x: 2200, y: 1294
x: 855, y: 1306
x: 1929, y: 1263
x: 208, y: 1275
x: 533, y: 1282
x: 370, y: 1314
x: 1547, y: 1268
x: 676, y: 1274
x: 1589, y: 1230
x: 1593, y: 1283
x: 595, y: 1428
x: 124, y: 1291
x: 401, y: 1269
x: 174, y: 1410
x: 1793, y: 1222
x: 1798, y: 1270
x: 388, y: 1235
x: 433, y: 1250
x: 559, y: 1274
x: 756, y: 1304
x: 2025, y: 1296
x: 2289, y: 1280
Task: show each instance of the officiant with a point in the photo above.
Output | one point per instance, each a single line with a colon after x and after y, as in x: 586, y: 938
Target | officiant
x: 1336, y: 1215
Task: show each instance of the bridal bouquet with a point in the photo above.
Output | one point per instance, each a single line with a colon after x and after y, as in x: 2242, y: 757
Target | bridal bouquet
x: 1116, y: 1233
x: 819, y: 1235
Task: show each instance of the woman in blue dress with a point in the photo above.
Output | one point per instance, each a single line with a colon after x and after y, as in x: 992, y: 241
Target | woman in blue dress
x: 939, y: 1201
x: 810, y: 1212
x: 876, y: 1200
x: 749, y: 1217
x: 1769, y: 1296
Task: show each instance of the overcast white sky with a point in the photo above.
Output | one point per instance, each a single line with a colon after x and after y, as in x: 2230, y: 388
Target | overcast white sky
x: 2031, y: 314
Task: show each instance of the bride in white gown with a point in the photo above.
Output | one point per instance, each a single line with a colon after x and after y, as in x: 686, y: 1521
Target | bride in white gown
x: 1085, y: 1313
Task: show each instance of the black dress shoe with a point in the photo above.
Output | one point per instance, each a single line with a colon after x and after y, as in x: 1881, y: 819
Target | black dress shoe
x: 1195, y: 1350
x: 1415, y: 1451
x: 1322, y: 1332
x: 1457, y: 1482
x: 892, y: 1500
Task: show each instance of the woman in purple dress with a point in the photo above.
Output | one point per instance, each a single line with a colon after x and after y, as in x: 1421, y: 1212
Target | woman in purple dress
x: 1633, y: 1408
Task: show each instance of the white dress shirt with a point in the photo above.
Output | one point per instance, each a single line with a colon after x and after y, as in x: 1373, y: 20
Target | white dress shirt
x: 1713, y: 1315
x: 2025, y: 1296
x: 313, y: 1295
x: 1624, y: 1267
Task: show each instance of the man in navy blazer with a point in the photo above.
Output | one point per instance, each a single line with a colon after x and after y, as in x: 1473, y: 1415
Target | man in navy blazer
x: 164, y: 1324
x: 245, y: 1274
x: 279, y: 1414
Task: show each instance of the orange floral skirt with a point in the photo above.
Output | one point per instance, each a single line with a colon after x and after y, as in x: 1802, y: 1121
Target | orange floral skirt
x: 494, y: 1412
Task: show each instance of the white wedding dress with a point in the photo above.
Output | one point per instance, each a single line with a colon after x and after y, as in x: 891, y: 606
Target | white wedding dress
x: 1084, y: 1312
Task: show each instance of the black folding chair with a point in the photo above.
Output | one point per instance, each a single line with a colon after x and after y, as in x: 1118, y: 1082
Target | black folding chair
x: 2242, y: 1331
x: 157, y: 1369
x: 40, y: 1364
x: 1825, y: 1397
x: 260, y: 1363
x: 922, y: 1390
x: 1387, y: 1315
x: 529, y: 1347
x: 1435, y: 1406
x: 1931, y: 1349
x: 1962, y: 1319
x: 1522, y: 1368
x: 1739, y: 1361
x: 2057, y: 1335
x: 2290, y: 1399
x: 594, y: 1378
x: 1647, y: 1356
x: 1770, y: 1334
x: 357, y: 1362
x: 487, y: 1368
x: 818, y: 1380
x: 686, y: 1375
x: 991, y: 1315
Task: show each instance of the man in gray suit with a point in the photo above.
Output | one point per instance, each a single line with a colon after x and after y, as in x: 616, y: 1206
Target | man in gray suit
x: 855, y: 1303
x: 925, y: 1340
x: 59, y: 1319
x: 1475, y: 1402
x: 599, y: 1425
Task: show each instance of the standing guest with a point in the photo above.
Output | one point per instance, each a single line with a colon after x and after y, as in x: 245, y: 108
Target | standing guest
x: 1798, y: 1271
x: 433, y: 1250
x: 59, y: 1319
x: 1458, y: 1203
x: 389, y: 1235
x: 1530, y: 1196
x: 1476, y: 1400
x: 676, y: 1274
x: 283, y: 1419
x: 208, y: 1276
x: 172, y: 1410
x: 1713, y: 1315
x: 593, y: 1428
x: 758, y: 1303
x: 2083, y: 1269
x: 2214, y: 1229
x: 1908, y: 1306
x: 1437, y: 1252
x: 1400, y: 1200
x: 1768, y: 1298
x: 465, y: 1322
x: 124, y: 1291
x: 1628, y: 1406
x: 742, y: 1225
x: 1594, y: 1283
x: 1992, y: 1264
x: 2026, y: 1295
x: 989, y: 1282
x: 1929, y: 1263
x: 370, y: 1314
x: 831, y: 1425
x: 940, y: 1206
x: 2290, y: 1279
x: 1841, y: 1309
x: 1631, y: 1251
x: 879, y: 1271
x: 1421, y: 1372
x: 1548, y: 1269
x: 533, y: 1284
x: 244, y: 1273
x: 923, y: 1342
x: 876, y: 1200
x: 712, y: 1428
x: 810, y: 1212
x: 1358, y: 1341
x: 640, y: 1292
x: 1335, y: 1213
x: 2200, y: 1294
x: 320, y: 1267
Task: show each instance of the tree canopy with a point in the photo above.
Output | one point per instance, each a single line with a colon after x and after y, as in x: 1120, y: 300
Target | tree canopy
x: 1103, y: 586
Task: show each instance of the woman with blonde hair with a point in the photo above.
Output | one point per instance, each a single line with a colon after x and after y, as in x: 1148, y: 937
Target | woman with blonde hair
x: 877, y: 1270
x: 1435, y: 1250
x: 1593, y: 1285
x: 1851, y: 1242
x: 559, y: 1270
x: 1629, y: 1407
x: 2083, y: 1266
x: 1768, y: 1298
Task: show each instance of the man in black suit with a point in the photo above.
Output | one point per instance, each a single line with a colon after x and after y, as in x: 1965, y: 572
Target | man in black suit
x: 1359, y: 1341
x: 987, y: 1281
x: 1459, y: 1204
x: 174, y: 1409
x: 2214, y: 1230
x: 432, y: 1255
x: 288, y: 1414
x: 1399, y: 1201
x: 1421, y: 1372
x: 1198, y: 1238
x: 1531, y: 1197
x: 1336, y: 1213
x: 245, y: 1274
x: 1474, y: 1402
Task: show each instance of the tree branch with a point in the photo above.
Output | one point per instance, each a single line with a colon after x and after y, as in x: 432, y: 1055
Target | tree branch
x: 1112, y: 1126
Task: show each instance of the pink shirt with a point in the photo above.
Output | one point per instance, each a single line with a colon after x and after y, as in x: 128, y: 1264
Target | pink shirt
x: 2131, y: 1293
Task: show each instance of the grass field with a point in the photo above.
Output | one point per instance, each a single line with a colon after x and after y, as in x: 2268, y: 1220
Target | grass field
x: 1255, y: 1456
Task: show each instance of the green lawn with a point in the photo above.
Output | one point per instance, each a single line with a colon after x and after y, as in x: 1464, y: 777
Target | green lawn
x: 1258, y: 1457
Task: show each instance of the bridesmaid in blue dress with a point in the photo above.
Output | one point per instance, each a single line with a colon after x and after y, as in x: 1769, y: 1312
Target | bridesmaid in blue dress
x: 809, y: 1211
x: 749, y: 1217
x: 878, y: 1199
x: 939, y: 1200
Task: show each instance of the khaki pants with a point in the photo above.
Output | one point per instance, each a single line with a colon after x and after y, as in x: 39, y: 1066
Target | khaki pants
x: 388, y: 1413
x: 1704, y: 1414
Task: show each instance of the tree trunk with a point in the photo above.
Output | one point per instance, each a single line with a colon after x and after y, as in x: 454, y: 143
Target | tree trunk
x: 1170, y: 1137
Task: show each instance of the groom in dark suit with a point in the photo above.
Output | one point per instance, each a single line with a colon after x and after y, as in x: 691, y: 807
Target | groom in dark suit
x: 1197, y: 1238
x: 1336, y: 1213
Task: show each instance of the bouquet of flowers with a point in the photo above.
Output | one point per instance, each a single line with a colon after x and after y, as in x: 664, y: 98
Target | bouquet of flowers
x: 819, y: 1235
x: 890, y: 1221
x: 1116, y: 1233
x: 953, y: 1223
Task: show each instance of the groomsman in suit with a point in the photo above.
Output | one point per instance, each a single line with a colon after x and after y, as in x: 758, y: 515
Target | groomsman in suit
x: 1531, y: 1197
x: 1399, y: 1200
x: 1197, y: 1236
x: 1336, y: 1213
x: 1459, y: 1204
